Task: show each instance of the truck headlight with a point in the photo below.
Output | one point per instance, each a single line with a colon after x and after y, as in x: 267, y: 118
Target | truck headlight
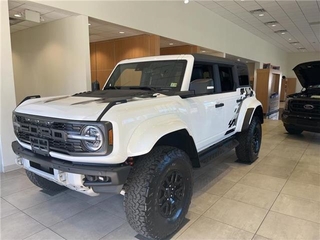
x: 15, y: 122
x: 92, y: 138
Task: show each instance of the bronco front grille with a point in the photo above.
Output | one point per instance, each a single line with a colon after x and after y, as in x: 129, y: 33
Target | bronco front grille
x: 306, y: 107
x: 53, y: 130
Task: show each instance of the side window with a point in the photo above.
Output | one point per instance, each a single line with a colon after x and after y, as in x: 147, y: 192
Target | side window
x: 226, y: 79
x: 201, y: 81
x: 243, y: 75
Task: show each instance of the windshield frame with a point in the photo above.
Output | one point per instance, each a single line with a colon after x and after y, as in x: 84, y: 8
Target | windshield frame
x: 147, y: 87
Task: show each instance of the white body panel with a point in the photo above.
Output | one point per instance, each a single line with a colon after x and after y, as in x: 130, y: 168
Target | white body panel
x: 140, y: 123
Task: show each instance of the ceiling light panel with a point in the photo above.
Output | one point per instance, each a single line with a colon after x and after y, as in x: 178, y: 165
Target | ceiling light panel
x: 289, y: 14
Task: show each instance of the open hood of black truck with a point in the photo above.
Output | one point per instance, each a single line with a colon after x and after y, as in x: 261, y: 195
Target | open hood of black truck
x: 308, y: 73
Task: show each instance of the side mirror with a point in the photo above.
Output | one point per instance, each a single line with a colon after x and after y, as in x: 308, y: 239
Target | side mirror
x: 95, y: 86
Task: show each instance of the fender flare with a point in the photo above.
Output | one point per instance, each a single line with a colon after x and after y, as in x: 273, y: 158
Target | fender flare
x: 249, y: 108
x: 148, y: 133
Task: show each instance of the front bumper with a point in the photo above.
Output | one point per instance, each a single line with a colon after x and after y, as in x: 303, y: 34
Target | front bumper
x: 80, y: 177
x: 306, y: 123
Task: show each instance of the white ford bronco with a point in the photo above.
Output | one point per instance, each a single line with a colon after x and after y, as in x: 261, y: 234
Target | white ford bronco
x: 154, y: 120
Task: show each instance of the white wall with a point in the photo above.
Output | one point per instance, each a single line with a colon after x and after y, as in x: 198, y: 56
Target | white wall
x: 191, y: 23
x: 294, y: 59
x: 7, y: 93
x: 52, y: 59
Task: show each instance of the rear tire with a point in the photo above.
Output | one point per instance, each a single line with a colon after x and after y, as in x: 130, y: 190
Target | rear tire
x: 249, y: 142
x: 43, y: 183
x: 292, y: 130
x: 158, y: 192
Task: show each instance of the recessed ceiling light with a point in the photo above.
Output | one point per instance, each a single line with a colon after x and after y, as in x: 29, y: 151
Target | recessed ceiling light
x: 259, y: 12
x: 272, y: 23
x: 121, y: 32
x: 289, y: 39
x: 170, y: 44
x: 186, y: 1
x: 281, y: 31
x: 17, y: 15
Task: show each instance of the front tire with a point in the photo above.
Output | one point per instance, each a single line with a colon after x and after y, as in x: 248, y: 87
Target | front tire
x: 43, y: 183
x: 249, y: 142
x: 158, y: 192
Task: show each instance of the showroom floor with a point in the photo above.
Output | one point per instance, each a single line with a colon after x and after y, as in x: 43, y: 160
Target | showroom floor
x: 277, y: 197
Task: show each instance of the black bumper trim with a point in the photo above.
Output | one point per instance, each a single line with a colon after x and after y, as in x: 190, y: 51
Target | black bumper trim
x: 118, y: 174
x: 306, y: 123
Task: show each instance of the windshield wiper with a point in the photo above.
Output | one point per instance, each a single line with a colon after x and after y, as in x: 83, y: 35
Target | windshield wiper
x: 145, y: 88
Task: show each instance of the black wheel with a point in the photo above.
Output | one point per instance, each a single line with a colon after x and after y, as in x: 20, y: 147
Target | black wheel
x: 43, y: 183
x: 249, y: 142
x: 292, y: 130
x: 158, y: 192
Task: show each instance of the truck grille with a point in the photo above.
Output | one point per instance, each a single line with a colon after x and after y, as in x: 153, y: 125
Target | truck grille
x: 305, y: 107
x: 52, y: 130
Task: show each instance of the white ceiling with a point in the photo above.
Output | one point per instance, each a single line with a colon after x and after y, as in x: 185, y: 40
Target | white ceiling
x: 300, y: 18
x: 48, y: 14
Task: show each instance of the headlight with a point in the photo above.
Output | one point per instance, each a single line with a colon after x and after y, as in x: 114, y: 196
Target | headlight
x: 287, y: 103
x: 92, y: 138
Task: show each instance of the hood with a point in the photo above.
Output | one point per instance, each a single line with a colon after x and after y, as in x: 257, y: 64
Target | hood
x: 308, y: 73
x: 82, y: 106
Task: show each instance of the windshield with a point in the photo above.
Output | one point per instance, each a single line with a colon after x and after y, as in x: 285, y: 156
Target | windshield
x: 160, y: 75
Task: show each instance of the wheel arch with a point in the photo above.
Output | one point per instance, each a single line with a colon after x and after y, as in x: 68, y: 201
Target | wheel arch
x: 163, y: 131
x: 182, y: 140
x: 249, y: 108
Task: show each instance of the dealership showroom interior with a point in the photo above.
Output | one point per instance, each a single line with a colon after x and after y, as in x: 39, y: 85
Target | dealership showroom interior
x: 160, y: 119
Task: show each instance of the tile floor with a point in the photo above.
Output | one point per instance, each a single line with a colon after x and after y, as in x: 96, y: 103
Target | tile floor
x: 277, y: 197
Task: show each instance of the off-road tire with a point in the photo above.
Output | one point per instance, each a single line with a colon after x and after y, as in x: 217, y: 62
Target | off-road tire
x: 43, y: 183
x: 292, y: 130
x: 147, y: 198
x: 249, y: 142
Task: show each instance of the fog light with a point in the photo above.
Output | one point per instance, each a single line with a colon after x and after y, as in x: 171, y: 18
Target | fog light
x: 19, y: 161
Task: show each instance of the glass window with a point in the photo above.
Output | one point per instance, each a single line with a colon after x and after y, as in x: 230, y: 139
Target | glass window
x: 226, y: 79
x: 154, y: 74
x: 243, y: 75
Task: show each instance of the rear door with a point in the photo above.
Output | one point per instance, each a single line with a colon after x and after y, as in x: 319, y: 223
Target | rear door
x: 229, y: 97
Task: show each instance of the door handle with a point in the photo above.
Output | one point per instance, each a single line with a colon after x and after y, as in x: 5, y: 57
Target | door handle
x: 219, y: 105
x: 239, y: 100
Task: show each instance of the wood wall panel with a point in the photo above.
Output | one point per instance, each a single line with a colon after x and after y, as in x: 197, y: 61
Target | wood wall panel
x: 268, y: 82
x: 154, y: 45
x: 93, y: 66
x: 291, y: 86
x: 180, y: 50
x: 106, y: 54
x: 137, y: 46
